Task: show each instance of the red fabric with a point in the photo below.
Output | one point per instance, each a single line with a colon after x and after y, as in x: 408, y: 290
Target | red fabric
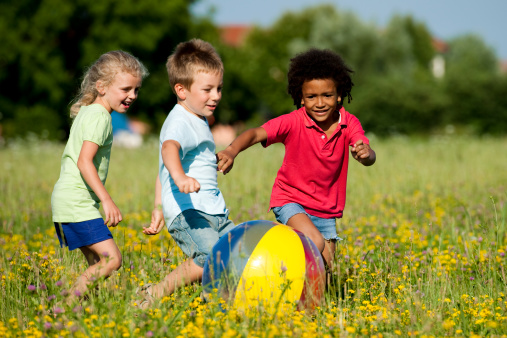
x: 314, y: 169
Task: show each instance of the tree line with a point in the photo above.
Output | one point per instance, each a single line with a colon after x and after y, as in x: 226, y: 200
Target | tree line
x: 46, y: 45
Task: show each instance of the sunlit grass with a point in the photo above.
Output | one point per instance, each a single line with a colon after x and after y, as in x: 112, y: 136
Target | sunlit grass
x: 423, y: 255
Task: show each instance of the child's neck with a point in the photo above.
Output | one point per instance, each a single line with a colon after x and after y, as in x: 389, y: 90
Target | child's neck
x: 329, y: 127
x: 182, y: 103
x: 99, y: 100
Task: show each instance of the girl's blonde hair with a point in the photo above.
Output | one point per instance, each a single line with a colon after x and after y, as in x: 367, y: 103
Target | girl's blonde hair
x: 105, y: 69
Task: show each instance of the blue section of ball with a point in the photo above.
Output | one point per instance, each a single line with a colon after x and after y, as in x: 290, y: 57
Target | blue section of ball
x: 226, y: 263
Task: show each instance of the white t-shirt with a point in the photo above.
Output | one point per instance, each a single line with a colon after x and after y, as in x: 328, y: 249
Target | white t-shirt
x: 198, y: 160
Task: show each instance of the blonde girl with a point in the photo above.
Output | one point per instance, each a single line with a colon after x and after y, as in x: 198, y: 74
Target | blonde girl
x: 111, y: 83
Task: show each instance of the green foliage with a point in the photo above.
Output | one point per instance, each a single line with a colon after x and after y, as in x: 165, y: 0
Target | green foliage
x: 49, y: 43
x: 395, y: 90
x: 421, y: 47
x: 344, y: 33
x: 261, y: 64
x: 475, y: 89
x: 405, y: 45
x: 399, y: 104
x: 392, y: 67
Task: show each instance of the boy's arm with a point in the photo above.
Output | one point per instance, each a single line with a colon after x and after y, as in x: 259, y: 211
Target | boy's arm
x: 157, y: 216
x: 91, y: 177
x: 172, y: 161
x: 363, y: 153
x: 225, y: 158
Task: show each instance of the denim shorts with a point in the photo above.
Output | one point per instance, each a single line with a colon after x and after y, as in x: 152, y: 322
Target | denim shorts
x: 196, y: 233
x: 76, y: 235
x: 326, y: 226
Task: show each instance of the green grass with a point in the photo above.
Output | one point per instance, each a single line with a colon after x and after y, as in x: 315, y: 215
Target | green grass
x: 424, y: 250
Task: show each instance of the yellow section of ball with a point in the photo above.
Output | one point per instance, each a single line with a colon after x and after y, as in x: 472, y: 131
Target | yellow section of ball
x: 275, y: 271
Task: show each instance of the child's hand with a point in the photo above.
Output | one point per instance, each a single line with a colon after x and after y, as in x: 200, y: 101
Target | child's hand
x: 187, y: 184
x: 157, y: 222
x: 112, y: 213
x: 363, y: 153
x: 225, y: 161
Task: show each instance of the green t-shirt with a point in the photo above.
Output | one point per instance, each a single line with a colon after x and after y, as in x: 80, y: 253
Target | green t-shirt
x: 73, y: 200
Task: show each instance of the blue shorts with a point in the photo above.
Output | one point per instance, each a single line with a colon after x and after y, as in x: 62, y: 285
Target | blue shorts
x: 196, y: 233
x: 326, y: 226
x: 76, y: 235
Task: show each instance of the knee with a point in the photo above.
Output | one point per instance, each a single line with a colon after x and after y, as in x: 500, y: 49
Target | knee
x: 118, y: 261
x: 113, y: 262
x: 318, y: 240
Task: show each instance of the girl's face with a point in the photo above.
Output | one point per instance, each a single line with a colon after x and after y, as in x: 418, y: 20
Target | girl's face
x: 321, y: 100
x: 203, y: 96
x: 120, y: 94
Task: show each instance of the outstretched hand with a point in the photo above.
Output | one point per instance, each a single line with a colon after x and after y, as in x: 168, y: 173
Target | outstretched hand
x: 225, y: 161
x: 363, y: 153
x: 157, y: 222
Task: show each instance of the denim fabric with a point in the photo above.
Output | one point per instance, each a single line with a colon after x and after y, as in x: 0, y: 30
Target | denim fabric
x: 196, y: 233
x: 326, y: 226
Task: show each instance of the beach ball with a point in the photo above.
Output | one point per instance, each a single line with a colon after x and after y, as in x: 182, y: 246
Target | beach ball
x: 265, y: 263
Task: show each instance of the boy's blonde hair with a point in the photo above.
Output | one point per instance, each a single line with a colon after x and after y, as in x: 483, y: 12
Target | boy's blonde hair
x: 105, y: 69
x: 190, y: 58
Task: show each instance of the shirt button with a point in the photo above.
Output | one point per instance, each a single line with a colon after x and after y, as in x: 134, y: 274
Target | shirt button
x: 323, y: 136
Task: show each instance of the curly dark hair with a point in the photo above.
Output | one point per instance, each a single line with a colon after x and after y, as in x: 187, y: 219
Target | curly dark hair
x: 318, y: 64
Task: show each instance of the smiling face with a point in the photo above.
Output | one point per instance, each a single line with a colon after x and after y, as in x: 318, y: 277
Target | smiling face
x: 120, y: 93
x: 320, y: 99
x: 203, y: 96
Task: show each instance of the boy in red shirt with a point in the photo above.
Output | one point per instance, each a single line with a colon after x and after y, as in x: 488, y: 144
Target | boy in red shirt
x: 310, y: 187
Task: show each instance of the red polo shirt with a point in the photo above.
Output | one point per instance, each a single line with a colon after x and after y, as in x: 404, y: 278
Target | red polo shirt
x: 314, y: 169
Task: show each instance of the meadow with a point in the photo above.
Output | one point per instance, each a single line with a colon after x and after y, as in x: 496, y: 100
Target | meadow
x: 423, y: 253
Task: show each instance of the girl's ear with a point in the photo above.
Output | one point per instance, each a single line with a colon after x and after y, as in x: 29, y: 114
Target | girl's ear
x: 302, y: 102
x: 339, y: 99
x: 179, y: 89
x: 100, y: 87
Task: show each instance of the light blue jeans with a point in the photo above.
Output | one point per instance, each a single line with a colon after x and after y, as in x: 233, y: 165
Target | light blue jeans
x: 196, y: 233
x: 326, y: 226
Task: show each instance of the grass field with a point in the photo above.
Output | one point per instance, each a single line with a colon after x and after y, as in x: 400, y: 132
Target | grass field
x: 423, y: 255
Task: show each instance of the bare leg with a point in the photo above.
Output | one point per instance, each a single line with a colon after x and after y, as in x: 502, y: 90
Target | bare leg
x: 302, y: 222
x: 328, y: 253
x: 91, y: 257
x: 186, y: 273
x: 103, y: 258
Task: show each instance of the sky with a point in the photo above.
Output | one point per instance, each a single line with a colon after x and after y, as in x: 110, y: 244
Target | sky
x: 445, y: 19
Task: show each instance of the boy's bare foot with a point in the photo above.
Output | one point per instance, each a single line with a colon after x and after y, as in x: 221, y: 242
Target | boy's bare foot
x: 145, y: 292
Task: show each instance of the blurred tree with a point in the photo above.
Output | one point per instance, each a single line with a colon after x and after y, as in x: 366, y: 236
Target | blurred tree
x: 400, y: 94
x: 259, y: 69
x: 394, y: 90
x: 406, y: 46
x: 48, y: 43
x: 239, y: 102
x: 494, y: 119
x: 340, y: 31
x: 398, y: 104
x: 474, y: 86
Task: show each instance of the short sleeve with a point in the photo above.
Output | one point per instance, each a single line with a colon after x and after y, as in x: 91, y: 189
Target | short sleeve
x: 278, y: 129
x: 97, y: 127
x: 179, y: 131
